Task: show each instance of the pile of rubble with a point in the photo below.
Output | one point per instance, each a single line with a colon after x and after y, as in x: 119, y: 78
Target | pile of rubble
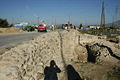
x: 30, y: 60
x: 10, y: 30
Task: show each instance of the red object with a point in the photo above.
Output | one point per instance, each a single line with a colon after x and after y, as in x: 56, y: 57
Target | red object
x: 41, y: 28
x: 32, y: 38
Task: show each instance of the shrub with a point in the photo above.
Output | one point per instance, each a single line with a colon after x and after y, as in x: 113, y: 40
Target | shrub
x: 4, y: 23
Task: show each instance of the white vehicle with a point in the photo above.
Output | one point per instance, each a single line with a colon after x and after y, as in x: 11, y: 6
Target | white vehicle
x: 65, y: 27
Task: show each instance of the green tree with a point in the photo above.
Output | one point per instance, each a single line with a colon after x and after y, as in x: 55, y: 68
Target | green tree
x: 4, y: 23
x: 11, y: 25
x: 80, y: 26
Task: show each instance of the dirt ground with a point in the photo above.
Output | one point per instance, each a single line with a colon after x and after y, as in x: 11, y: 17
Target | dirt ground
x: 91, y: 71
x: 2, y: 51
x: 10, y: 30
x: 78, y: 56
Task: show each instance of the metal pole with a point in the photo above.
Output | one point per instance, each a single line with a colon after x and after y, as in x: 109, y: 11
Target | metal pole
x: 38, y: 20
x: 103, y: 17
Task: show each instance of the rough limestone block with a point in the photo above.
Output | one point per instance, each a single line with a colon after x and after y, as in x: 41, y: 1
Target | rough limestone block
x: 80, y: 54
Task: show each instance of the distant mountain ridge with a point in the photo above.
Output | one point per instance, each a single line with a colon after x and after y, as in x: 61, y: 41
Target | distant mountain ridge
x: 109, y: 24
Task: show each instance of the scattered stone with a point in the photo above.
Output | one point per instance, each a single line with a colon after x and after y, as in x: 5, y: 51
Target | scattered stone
x: 28, y: 61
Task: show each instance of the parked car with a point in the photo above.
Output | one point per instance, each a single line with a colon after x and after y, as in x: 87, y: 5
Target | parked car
x: 29, y: 28
x: 42, y: 28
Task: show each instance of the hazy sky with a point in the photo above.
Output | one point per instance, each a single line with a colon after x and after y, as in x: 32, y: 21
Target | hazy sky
x: 79, y: 11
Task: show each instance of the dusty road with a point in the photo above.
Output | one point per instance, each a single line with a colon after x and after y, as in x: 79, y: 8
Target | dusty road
x: 7, y: 40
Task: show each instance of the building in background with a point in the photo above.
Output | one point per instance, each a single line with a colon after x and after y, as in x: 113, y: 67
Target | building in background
x: 94, y: 27
x: 21, y: 25
x: 66, y: 26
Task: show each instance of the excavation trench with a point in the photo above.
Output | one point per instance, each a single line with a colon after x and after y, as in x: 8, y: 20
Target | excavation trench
x: 91, y: 54
x: 51, y: 53
x: 63, y: 60
x: 32, y: 60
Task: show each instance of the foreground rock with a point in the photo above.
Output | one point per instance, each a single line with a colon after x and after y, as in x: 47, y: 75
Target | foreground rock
x: 57, y: 53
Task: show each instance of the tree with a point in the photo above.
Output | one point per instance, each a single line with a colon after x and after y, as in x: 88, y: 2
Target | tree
x: 4, y: 23
x: 11, y: 25
x: 80, y: 26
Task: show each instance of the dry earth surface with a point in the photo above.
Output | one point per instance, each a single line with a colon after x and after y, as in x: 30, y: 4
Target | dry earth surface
x: 65, y: 55
x: 10, y: 30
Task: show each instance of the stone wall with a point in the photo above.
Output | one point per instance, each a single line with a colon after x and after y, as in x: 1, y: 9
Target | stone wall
x: 85, y: 38
x: 29, y: 60
x: 72, y: 50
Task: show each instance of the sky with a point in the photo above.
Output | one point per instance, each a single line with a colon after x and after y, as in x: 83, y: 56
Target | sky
x: 86, y: 12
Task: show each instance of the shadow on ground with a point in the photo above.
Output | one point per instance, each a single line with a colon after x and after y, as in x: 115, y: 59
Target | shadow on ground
x: 111, y: 52
x: 51, y: 72
x: 72, y: 73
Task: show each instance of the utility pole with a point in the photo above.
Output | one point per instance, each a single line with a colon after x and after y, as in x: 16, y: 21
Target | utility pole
x: 12, y: 20
x: 69, y: 23
x: 38, y: 20
x: 116, y: 17
x: 69, y: 18
x: 113, y: 21
x: 102, y: 25
x: 52, y: 20
x: 55, y: 22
